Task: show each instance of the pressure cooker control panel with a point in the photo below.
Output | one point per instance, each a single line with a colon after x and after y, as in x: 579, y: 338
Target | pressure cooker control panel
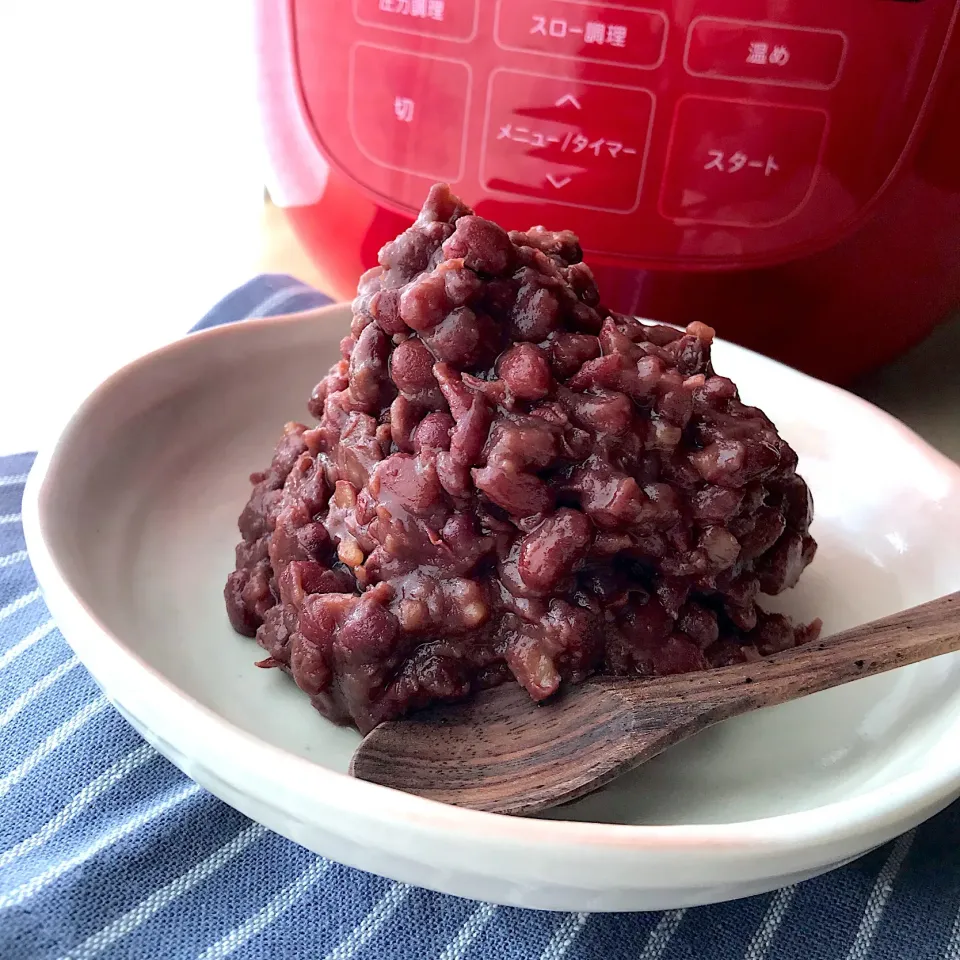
x: 704, y: 132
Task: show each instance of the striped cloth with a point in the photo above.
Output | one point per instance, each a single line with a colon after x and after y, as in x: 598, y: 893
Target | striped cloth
x: 108, y: 851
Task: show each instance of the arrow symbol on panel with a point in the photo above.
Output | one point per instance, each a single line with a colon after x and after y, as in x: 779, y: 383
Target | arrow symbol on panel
x: 568, y: 98
x: 558, y: 182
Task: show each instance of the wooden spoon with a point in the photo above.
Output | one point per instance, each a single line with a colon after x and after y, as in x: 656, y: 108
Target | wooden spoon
x: 501, y: 753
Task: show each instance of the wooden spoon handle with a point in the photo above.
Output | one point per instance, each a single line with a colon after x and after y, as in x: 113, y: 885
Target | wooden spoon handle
x: 919, y: 633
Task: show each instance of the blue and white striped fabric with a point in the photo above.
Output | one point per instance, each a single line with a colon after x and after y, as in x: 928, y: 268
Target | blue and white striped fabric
x: 108, y: 851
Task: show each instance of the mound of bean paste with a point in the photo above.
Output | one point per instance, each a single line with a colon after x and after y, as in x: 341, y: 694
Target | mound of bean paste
x: 508, y: 481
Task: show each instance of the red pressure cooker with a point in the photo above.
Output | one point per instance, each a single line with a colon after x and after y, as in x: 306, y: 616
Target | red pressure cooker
x: 787, y: 171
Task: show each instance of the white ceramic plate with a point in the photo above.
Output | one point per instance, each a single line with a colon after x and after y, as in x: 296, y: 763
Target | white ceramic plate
x: 130, y: 521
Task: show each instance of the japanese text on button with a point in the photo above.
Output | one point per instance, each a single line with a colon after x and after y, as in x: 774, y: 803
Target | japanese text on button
x: 432, y: 9
x: 594, y: 31
x: 736, y: 162
x: 573, y: 142
x: 761, y: 54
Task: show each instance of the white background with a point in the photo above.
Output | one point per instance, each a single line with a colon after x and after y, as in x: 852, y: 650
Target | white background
x: 132, y: 188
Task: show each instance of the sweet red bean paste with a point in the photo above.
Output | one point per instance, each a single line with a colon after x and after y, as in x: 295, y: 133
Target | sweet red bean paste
x: 509, y: 481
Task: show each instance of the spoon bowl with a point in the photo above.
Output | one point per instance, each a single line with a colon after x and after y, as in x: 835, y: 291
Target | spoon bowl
x: 501, y: 753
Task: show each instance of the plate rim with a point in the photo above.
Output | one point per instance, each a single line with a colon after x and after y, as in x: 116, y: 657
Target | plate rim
x: 878, y: 809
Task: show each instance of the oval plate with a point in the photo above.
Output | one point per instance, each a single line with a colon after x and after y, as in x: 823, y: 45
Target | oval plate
x: 131, y: 522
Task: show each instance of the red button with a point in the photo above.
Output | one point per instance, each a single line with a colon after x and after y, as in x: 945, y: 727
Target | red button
x: 449, y: 19
x: 570, y: 142
x: 408, y: 111
x: 738, y: 163
x: 765, y: 53
x: 598, y: 32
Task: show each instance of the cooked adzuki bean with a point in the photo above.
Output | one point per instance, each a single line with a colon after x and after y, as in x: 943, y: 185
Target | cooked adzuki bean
x: 508, y: 479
